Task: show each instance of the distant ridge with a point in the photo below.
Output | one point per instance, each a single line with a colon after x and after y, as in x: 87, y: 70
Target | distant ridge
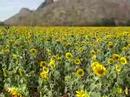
x: 75, y: 12
x: 47, y: 2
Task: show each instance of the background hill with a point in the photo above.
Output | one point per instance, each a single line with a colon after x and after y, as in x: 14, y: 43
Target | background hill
x: 75, y: 12
x: 1, y: 23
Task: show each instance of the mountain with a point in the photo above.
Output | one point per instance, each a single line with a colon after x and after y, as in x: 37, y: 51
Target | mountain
x: 45, y: 3
x: 22, y: 18
x: 75, y: 12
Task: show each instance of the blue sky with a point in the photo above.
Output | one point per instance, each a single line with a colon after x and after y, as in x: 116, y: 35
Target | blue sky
x: 10, y: 7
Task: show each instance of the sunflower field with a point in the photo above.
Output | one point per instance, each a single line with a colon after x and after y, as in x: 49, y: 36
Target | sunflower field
x: 65, y: 62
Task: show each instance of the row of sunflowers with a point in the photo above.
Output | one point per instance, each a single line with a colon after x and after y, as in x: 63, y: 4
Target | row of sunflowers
x: 64, y: 62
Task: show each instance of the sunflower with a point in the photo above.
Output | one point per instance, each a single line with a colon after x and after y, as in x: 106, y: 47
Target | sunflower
x: 115, y: 57
x: 52, y: 64
x: 110, y: 45
x: 93, y: 52
x: 98, y: 69
x: 44, y: 75
x: 77, y: 61
x: 94, y: 64
x: 49, y: 52
x: 82, y: 93
x: 58, y: 58
x: 45, y: 69
x: 80, y: 49
x: 80, y: 72
x: 128, y: 45
x: 42, y: 63
x: 123, y: 60
x: 14, y: 92
x: 118, y: 68
x: 68, y: 56
x: 124, y: 48
x: 33, y: 52
x: 94, y: 57
x: 110, y: 61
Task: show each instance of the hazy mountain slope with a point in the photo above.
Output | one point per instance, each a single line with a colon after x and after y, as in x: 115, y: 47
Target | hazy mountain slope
x: 22, y: 18
x: 76, y: 12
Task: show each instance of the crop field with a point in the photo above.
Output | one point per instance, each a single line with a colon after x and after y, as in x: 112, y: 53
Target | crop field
x: 65, y: 62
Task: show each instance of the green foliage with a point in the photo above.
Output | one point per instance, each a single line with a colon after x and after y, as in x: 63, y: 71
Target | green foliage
x: 2, y: 24
x: 106, y: 22
x: 41, y: 62
x: 128, y: 23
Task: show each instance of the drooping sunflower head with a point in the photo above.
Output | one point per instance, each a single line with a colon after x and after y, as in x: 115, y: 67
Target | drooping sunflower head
x: 110, y: 61
x: 94, y: 58
x: 110, y: 45
x: 118, y: 68
x: 124, y: 48
x: 93, y: 52
x: 115, y: 57
x: 52, y: 64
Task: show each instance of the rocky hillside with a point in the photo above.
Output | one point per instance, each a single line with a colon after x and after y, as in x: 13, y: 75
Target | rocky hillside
x: 22, y: 18
x: 75, y: 12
